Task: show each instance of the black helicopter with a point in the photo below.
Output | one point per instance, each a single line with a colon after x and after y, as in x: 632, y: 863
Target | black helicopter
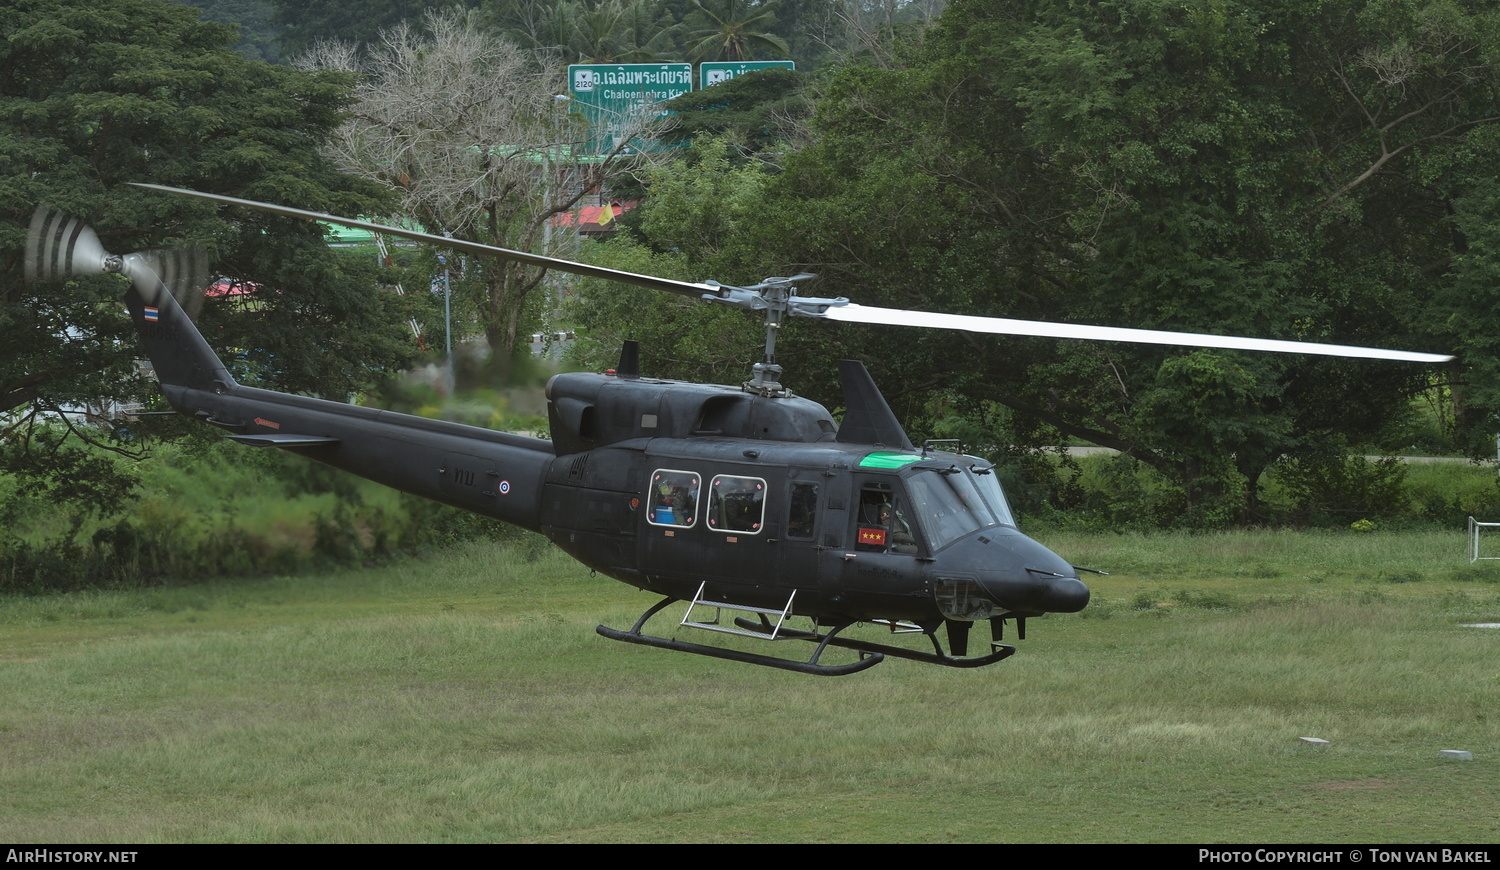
x: 743, y: 499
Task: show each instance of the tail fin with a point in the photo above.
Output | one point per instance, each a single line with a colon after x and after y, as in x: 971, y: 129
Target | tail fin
x: 178, y: 352
x: 868, y: 418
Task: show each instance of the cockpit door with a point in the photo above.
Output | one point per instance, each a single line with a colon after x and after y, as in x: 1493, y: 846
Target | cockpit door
x: 884, y: 551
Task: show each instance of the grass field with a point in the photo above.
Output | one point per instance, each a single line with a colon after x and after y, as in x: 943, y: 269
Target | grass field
x: 466, y: 698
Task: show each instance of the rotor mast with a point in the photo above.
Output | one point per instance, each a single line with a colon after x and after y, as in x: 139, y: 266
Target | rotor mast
x: 777, y: 297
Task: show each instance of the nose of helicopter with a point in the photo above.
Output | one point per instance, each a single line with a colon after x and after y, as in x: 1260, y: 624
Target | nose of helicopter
x: 1055, y: 595
x: 1020, y: 574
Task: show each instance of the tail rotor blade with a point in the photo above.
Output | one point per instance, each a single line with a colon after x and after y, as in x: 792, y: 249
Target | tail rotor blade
x: 181, y: 272
x: 141, y: 272
x: 59, y: 246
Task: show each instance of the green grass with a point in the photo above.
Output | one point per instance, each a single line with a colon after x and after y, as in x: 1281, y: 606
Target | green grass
x: 466, y: 698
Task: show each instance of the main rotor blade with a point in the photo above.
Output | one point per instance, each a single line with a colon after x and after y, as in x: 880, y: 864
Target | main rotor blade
x: 848, y: 313
x: 686, y: 288
x: 1004, y: 326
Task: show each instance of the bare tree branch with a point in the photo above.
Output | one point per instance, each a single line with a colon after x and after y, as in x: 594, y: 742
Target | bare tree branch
x: 473, y: 134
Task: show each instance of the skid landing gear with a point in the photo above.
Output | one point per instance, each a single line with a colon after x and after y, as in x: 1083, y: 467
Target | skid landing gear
x: 867, y: 658
x: 999, y: 651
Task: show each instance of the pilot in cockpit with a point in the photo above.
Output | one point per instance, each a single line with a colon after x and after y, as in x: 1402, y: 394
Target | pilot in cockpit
x: 900, y: 538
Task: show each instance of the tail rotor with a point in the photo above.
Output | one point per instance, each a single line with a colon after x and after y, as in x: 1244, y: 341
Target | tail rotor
x: 59, y: 246
x: 167, y: 289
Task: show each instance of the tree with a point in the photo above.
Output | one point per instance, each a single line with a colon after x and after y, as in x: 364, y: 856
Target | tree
x: 543, y: 25
x: 608, y: 31
x: 305, y: 23
x: 467, y: 130
x: 257, y: 39
x: 733, y: 30
x: 605, y: 31
x: 691, y: 228
x: 620, y: 31
x: 874, y: 31
x: 97, y: 94
x: 757, y: 111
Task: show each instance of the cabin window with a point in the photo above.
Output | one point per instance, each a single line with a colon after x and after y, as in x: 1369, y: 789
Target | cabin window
x: 737, y: 504
x: 883, y: 524
x: 674, y: 498
x: 802, y: 508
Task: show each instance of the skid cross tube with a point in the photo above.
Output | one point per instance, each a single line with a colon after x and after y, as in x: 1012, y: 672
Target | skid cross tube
x: 867, y: 659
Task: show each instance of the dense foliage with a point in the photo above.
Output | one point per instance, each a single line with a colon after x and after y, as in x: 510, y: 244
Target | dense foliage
x: 96, y: 95
x: 209, y: 508
x: 809, y: 32
x: 1319, y: 172
x: 758, y: 111
x: 258, y: 39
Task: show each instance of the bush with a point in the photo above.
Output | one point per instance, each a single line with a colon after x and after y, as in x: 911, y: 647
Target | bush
x: 210, y: 508
x: 1331, y: 488
x: 1116, y: 493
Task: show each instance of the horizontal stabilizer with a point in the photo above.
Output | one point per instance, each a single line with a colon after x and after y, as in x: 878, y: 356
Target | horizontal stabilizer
x: 288, y: 441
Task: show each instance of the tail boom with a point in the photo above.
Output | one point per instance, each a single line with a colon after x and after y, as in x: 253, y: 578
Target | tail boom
x: 496, y: 474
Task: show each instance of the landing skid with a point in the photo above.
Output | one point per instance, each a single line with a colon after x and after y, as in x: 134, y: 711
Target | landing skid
x: 867, y: 658
x: 937, y: 657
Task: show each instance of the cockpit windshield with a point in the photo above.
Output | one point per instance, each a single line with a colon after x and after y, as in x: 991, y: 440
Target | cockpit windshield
x: 953, y: 502
x: 988, y: 483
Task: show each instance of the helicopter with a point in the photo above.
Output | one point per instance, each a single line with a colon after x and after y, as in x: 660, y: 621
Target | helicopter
x: 748, y: 503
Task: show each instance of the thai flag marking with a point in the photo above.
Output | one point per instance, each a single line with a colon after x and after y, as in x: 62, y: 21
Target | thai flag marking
x: 151, y: 315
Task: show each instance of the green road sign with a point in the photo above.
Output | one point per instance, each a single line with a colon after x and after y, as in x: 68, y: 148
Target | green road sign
x: 616, y: 98
x: 713, y: 73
